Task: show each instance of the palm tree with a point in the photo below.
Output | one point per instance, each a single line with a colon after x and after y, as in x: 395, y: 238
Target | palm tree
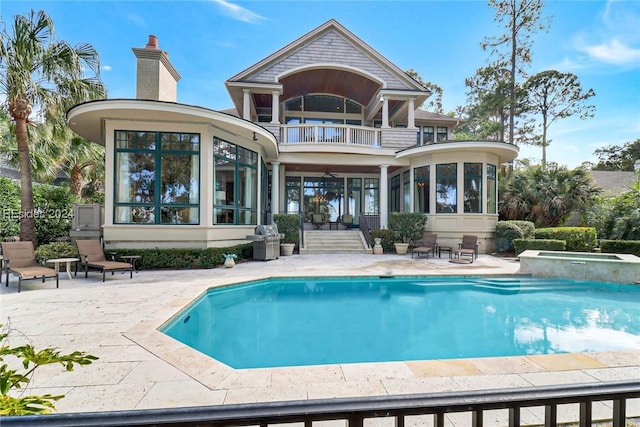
x: 41, y: 74
x: 82, y: 159
x: 547, y: 196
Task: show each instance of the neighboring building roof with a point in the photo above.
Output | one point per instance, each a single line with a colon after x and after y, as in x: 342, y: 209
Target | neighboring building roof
x: 613, y: 182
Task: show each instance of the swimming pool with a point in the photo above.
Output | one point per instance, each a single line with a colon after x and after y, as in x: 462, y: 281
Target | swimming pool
x: 317, y: 321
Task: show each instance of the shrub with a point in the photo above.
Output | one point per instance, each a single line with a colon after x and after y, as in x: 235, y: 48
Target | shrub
x: 579, y: 239
x: 10, y: 196
x: 407, y: 226
x: 289, y: 225
x: 57, y: 250
x: 522, y: 245
x: 620, y: 246
x: 55, y: 213
x: 388, y: 238
x: 528, y: 228
x: 506, y: 231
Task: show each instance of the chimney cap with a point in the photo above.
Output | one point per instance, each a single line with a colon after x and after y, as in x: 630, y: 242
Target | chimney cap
x: 152, y: 43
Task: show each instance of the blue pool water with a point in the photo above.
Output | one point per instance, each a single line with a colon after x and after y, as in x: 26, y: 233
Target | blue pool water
x: 314, y: 321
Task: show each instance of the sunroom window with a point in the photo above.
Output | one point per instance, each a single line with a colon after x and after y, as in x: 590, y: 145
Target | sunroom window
x: 157, y: 177
x: 236, y: 184
x: 473, y: 187
x: 447, y: 188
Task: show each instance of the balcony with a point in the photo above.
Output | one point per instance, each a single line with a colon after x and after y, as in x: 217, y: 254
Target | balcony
x: 330, y: 134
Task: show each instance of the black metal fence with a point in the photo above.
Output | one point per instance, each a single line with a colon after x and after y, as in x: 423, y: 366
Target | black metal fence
x: 353, y: 411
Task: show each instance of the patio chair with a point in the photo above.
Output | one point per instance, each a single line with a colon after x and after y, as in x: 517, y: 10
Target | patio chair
x: 92, y: 256
x: 347, y: 221
x: 317, y: 220
x: 19, y: 258
x: 427, y: 246
x: 468, y: 247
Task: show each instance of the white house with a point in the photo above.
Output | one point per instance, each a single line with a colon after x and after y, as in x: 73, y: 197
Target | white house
x: 325, y: 125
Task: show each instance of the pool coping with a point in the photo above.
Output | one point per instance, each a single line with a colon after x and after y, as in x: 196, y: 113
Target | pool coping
x: 142, y: 368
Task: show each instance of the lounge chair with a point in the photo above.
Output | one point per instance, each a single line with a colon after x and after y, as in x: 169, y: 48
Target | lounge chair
x: 92, y: 256
x: 427, y: 246
x: 19, y: 258
x: 468, y: 247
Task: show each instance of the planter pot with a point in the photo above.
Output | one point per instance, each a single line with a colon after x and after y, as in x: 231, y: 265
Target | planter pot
x: 229, y: 262
x: 286, y: 249
x: 377, y: 247
x: 401, y: 248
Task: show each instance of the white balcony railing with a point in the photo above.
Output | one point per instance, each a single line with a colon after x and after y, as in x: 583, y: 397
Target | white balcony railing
x: 330, y: 134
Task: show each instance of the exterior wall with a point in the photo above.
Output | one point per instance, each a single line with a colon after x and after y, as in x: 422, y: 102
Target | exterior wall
x: 451, y: 227
x: 330, y: 48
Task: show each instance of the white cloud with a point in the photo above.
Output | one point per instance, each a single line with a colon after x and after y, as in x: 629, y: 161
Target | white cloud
x: 613, y: 39
x: 614, y: 52
x: 238, y: 12
x: 107, y: 68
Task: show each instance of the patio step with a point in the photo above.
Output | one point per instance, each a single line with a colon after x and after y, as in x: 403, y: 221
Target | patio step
x: 333, y: 242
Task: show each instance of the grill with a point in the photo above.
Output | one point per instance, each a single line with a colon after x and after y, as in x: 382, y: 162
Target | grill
x: 266, y: 242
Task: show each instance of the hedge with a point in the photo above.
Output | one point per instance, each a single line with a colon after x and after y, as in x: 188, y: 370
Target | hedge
x: 522, y: 245
x: 528, y: 228
x: 176, y: 259
x: 620, y: 246
x: 579, y: 239
x: 388, y: 238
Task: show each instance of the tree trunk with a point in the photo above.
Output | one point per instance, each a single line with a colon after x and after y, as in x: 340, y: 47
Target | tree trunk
x: 20, y: 111
x: 75, y: 181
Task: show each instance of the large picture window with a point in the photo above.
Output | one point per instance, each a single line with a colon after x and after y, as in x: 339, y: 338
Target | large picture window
x: 447, y: 188
x: 157, y: 178
x: 394, y: 194
x: 236, y: 184
x: 492, y: 189
x: 421, y: 192
x: 473, y: 187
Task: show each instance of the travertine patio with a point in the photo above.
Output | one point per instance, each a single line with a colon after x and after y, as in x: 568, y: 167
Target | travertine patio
x: 141, y: 368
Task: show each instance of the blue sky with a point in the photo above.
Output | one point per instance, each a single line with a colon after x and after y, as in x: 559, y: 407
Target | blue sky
x: 210, y: 41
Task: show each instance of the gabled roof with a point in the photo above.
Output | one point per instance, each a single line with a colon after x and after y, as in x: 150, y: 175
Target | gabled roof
x: 331, y: 25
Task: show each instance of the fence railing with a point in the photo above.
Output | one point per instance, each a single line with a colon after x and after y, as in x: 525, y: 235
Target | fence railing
x: 330, y: 134
x: 355, y: 410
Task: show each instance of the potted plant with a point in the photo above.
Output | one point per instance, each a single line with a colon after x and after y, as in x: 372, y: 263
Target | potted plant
x: 289, y: 226
x: 408, y: 228
x: 229, y: 260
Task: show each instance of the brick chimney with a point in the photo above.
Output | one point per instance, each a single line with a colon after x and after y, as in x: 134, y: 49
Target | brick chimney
x: 156, y: 78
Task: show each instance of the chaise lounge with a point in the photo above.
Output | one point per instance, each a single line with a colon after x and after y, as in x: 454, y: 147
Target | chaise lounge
x: 427, y: 246
x: 20, y: 259
x: 92, y: 256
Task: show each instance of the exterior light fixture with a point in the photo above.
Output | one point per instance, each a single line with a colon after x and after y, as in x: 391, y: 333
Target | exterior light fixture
x: 255, y: 137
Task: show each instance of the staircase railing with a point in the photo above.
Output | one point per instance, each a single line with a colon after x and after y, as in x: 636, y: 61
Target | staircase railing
x: 364, y: 228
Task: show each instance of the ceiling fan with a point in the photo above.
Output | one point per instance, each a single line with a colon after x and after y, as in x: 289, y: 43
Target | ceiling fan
x: 327, y: 173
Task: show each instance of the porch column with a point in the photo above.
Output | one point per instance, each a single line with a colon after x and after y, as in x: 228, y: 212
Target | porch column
x: 385, y: 112
x: 275, y: 188
x: 411, y: 114
x: 384, y: 197
x: 246, y: 104
x: 275, y: 107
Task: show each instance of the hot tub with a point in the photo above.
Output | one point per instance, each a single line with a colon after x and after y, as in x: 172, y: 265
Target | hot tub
x: 613, y: 268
